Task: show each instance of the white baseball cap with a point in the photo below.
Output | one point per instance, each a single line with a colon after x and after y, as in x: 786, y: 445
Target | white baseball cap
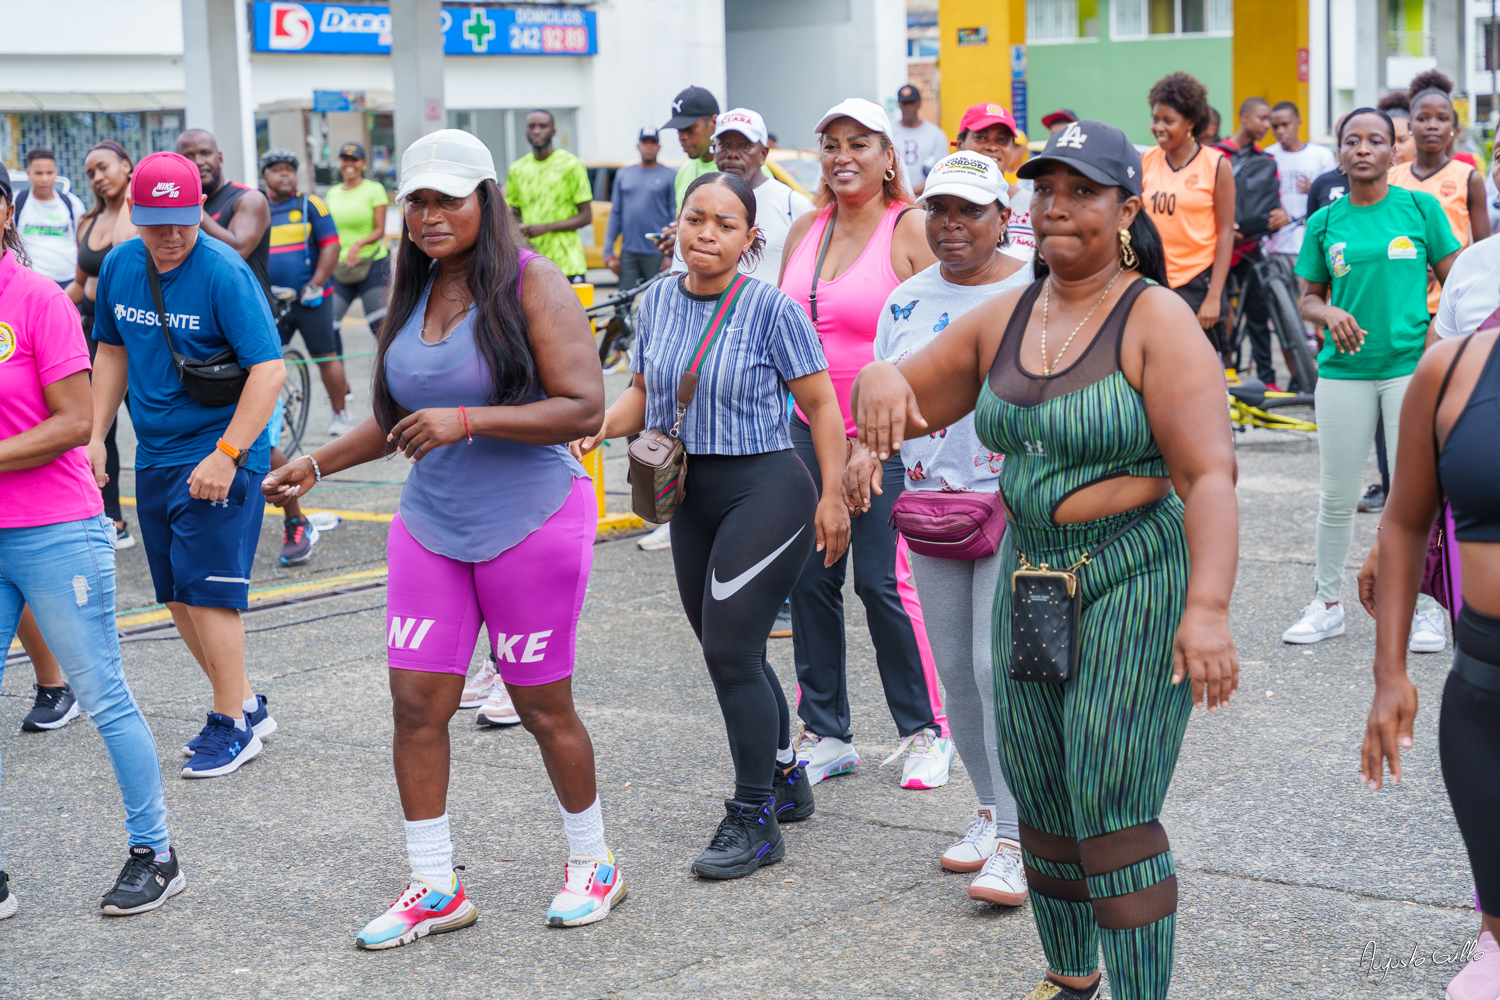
x: 744, y: 121
x: 969, y: 176
x: 867, y: 113
x: 449, y: 160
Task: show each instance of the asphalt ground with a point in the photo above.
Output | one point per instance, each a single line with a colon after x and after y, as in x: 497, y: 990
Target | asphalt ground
x: 1295, y: 881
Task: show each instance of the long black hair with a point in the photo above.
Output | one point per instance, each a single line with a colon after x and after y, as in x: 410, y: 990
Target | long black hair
x: 747, y: 198
x: 492, y: 275
x: 1151, y: 260
x: 10, y: 238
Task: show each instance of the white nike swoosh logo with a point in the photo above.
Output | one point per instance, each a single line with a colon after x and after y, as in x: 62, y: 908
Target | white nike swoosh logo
x: 724, y: 591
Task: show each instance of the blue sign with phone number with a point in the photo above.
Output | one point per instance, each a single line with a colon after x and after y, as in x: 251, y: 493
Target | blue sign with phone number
x: 282, y: 26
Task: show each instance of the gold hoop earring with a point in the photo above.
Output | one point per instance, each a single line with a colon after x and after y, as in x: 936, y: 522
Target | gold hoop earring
x: 890, y: 174
x: 1128, y: 259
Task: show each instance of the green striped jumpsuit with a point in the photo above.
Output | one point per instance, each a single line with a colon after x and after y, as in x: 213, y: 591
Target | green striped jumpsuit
x: 1090, y: 760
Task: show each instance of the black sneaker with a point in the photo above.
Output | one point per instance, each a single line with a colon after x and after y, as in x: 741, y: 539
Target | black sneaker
x: 1048, y: 990
x: 783, y: 627
x: 747, y: 838
x: 54, y: 708
x: 792, y: 793
x: 123, y: 539
x: 298, y: 540
x: 144, y: 883
x: 1373, y: 502
x: 8, y: 903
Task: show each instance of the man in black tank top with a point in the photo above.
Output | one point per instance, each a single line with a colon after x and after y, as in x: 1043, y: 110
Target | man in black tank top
x: 236, y: 214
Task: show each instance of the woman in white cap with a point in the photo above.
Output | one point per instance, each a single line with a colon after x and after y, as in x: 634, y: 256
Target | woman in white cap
x: 841, y: 262
x: 950, y: 473
x: 485, y: 370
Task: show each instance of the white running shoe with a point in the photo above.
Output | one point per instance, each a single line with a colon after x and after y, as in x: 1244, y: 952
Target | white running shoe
x: 824, y: 756
x: 1003, y: 878
x: 324, y: 520
x: 928, y: 759
x: 498, y: 709
x: 477, y: 688
x: 1318, y: 622
x: 970, y: 853
x: 341, y: 423
x: 1427, y: 635
x: 659, y: 539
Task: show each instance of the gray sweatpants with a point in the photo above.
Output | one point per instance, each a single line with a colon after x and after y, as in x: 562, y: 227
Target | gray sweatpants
x: 958, y: 606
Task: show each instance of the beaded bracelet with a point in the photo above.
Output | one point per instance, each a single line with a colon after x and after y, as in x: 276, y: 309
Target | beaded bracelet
x: 317, y: 472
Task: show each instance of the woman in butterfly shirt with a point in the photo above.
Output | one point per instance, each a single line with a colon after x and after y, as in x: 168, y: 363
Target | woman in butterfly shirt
x: 967, y: 211
x: 750, y: 518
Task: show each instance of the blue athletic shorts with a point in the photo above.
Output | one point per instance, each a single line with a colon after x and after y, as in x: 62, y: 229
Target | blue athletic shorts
x: 200, y: 551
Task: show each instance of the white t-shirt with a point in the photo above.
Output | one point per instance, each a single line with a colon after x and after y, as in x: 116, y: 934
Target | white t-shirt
x: 777, y: 206
x: 1022, y: 244
x: 919, y: 148
x: 1472, y: 290
x: 1297, y: 169
x: 51, y: 237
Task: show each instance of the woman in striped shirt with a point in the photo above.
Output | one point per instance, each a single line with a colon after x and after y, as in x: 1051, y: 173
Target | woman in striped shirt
x: 751, y: 516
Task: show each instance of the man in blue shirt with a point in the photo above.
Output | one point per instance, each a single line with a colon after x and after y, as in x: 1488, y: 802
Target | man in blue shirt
x: 644, y: 202
x: 197, y: 466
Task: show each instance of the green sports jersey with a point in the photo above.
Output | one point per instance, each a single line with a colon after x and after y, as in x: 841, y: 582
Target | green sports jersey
x: 1374, y: 259
x: 551, y: 190
x: 354, y: 214
x: 689, y: 172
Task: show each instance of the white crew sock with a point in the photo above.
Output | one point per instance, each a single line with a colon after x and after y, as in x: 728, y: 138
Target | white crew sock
x: 785, y: 757
x: 240, y: 724
x: 250, y: 704
x: 585, y: 831
x: 430, y: 850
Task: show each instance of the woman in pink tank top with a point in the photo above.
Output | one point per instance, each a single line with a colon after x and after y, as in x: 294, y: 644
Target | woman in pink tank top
x: 860, y: 242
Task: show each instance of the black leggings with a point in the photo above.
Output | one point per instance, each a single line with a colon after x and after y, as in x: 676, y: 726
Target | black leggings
x: 739, y: 540
x: 1469, y: 748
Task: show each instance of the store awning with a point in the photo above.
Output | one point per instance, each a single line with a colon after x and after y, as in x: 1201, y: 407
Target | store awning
x: 33, y: 102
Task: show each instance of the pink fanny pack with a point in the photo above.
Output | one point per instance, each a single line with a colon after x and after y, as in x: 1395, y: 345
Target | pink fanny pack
x: 949, y: 525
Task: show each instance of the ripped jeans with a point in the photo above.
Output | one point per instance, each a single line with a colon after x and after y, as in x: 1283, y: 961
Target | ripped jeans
x: 66, y: 573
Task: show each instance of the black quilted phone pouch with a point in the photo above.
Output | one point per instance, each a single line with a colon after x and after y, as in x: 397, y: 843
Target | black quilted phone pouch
x: 1044, y: 606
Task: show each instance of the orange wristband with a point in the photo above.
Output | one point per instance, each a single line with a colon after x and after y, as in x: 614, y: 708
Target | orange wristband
x: 235, y: 455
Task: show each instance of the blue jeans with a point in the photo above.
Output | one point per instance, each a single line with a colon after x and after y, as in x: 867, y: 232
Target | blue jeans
x: 66, y: 573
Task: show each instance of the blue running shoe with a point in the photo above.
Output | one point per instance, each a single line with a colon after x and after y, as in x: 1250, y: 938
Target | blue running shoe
x: 260, y: 720
x: 222, y: 748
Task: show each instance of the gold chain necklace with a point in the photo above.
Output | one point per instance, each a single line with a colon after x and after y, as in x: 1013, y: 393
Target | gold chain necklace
x: 1047, y: 300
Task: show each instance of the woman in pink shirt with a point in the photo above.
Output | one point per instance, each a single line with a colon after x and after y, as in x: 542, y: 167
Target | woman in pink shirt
x: 841, y: 261
x: 57, y: 554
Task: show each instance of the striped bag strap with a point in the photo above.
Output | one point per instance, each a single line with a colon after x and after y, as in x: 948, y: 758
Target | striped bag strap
x: 718, y: 322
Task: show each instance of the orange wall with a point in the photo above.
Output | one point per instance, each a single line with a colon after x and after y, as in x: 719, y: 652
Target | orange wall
x: 1266, y: 62
x: 975, y: 73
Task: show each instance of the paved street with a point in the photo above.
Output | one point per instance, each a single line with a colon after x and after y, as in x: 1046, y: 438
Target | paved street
x: 1289, y: 870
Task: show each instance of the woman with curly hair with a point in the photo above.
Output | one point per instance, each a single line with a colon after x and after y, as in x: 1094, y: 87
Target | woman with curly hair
x: 1188, y: 190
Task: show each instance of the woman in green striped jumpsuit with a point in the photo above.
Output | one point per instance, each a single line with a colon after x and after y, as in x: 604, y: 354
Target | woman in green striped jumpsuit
x: 1105, y: 398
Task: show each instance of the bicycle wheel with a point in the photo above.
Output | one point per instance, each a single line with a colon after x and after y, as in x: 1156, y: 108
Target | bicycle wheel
x: 296, y: 392
x: 1290, y: 332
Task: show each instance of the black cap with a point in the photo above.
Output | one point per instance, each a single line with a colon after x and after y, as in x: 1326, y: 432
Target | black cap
x: 1098, y: 151
x: 1060, y: 115
x: 649, y: 135
x: 690, y: 105
x: 908, y: 93
x: 353, y: 150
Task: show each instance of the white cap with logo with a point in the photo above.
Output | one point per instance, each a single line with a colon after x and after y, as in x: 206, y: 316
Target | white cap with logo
x: 867, y: 113
x: 449, y: 160
x: 744, y: 121
x: 969, y: 176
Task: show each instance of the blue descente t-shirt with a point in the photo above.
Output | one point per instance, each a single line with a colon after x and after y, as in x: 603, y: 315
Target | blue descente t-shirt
x: 213, y: 300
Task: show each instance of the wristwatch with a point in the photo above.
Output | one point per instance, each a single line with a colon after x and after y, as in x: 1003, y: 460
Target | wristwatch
x: 234, y: 453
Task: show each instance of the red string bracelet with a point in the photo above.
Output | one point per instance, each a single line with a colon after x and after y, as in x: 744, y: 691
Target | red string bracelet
x: 465, y: 418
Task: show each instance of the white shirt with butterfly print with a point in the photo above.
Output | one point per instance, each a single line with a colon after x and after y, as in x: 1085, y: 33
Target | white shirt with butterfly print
x: 950, y: 459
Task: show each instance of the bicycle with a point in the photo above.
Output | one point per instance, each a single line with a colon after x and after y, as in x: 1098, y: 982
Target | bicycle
x: 1272, y: 279
x: 619, y: 332
x: 296, y: 391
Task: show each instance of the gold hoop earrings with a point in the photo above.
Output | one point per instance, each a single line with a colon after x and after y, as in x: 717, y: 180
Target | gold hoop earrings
x: 1128, y: 259
x: 890, y: 174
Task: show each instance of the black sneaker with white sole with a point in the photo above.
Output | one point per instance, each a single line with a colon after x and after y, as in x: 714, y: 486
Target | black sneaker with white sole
x: 144, y: 883
x: 8, y: 902
x: 792, y: 793
x: 53, y: 709
x: 747, y: 837
x: 1373, y: 502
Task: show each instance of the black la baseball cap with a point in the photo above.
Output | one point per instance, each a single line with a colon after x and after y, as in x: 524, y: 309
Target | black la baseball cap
x: 1098, y: 151
x: 690, y: 105
x: 907, y: 94
x: 352, y: 150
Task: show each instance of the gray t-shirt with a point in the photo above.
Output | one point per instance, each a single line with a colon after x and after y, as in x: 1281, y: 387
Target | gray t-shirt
x: 951, y: 459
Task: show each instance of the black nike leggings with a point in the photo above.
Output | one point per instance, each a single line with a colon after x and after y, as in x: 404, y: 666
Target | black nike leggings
x: 739, y: 541
x: 1469, y: 750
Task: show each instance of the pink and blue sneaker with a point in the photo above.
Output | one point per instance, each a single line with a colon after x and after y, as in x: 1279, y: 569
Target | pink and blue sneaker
x: 590, y: 888
x: 422, y: 909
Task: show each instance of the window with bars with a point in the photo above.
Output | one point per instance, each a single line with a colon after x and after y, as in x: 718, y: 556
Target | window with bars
x: 1154, y: 18
x: 1061, y: 20
x: 71, y: 134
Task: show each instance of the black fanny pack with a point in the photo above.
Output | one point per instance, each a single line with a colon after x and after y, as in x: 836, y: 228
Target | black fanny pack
x: 1044, y: 608
x: 217, y: 381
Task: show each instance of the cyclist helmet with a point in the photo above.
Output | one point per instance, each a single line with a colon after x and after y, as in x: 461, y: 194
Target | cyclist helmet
x: 272, y: 157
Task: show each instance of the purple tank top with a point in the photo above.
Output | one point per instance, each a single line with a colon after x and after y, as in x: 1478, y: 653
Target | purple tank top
x: 470, y: 502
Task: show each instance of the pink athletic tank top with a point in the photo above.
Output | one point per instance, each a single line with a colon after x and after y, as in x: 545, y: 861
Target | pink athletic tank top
x: 849, y: 305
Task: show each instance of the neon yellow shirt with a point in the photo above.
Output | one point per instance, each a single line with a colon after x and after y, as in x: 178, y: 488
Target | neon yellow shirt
x: 551, y: 190
x: 354, y: 213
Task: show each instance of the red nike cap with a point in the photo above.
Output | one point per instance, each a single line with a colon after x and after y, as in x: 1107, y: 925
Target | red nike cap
x: 166, y: 190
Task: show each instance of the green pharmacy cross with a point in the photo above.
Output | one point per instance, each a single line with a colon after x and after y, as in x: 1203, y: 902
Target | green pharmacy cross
x: 479, y: 29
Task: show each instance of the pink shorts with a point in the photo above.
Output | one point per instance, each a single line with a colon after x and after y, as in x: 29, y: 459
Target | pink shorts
x: 529, y: 598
